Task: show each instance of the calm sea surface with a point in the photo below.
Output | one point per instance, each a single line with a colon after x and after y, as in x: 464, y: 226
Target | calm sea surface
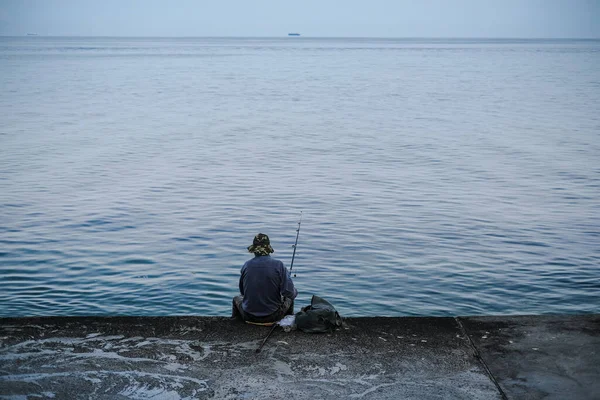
x: 436, y: 177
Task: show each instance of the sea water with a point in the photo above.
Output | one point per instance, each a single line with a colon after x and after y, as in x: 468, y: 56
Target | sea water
x: 435, y: 177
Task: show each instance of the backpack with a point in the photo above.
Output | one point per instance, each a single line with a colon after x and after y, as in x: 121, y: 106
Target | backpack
x: 319, y: 317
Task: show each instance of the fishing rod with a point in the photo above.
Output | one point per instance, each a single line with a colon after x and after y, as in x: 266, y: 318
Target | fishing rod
x: 295, y: 244
x: 268, y: 336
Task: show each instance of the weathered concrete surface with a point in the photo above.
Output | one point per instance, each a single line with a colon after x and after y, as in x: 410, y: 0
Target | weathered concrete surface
x: 372, y: 358
x: 535, y: 357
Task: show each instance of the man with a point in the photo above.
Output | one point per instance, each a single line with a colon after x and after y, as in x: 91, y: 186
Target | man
x: 266, y: 287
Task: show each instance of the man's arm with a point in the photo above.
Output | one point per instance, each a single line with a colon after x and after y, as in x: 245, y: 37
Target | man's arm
x: 241, y: 284
x: 287, y: 288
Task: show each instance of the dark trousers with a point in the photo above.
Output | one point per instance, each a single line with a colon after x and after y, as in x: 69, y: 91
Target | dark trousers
x: 286, y: 308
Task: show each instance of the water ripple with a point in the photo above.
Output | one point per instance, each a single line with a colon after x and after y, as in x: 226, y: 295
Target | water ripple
x: 436, y: 177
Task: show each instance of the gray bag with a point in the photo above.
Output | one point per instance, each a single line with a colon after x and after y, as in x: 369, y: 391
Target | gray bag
x: 319, y: 317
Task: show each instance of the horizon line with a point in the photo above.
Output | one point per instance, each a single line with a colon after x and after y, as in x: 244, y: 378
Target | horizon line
x: 33, y: 35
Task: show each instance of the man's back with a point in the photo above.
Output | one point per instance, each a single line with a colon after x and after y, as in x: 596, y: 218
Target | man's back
x: 263, y: 282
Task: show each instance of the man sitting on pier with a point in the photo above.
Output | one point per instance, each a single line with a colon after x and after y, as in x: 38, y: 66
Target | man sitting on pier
x: 266, y: 287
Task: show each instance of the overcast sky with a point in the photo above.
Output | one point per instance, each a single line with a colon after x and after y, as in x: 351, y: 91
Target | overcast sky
x: 354, y: 18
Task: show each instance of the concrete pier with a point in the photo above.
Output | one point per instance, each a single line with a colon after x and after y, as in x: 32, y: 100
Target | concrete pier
x: 518, y: 357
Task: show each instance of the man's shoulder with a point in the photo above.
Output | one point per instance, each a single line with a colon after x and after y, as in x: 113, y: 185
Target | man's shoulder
x: 277, y: 262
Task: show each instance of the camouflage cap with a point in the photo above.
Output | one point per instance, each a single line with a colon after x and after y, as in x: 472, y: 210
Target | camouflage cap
x: 261, y: 245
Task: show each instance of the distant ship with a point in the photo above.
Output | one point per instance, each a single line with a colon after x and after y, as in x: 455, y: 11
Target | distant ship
x: 293, y: 34
x: 32, y: 34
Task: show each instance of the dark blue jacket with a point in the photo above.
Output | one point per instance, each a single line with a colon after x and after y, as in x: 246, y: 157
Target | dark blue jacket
x: 263, y: 282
